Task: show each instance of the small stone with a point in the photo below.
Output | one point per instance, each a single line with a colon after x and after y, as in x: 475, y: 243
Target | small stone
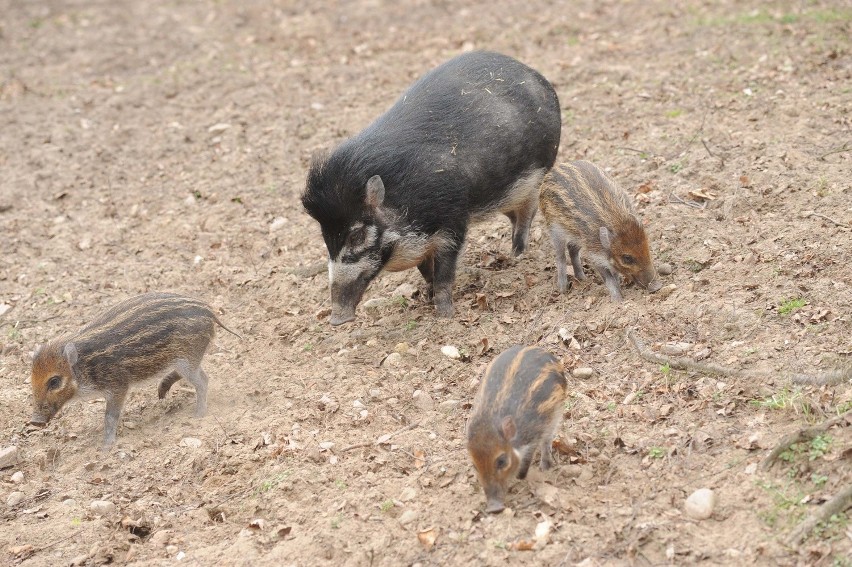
x: 402, y: 348
x: 664, y: 269
x: 326, y: 445
x: 408, y: 493
x: 190, y: 442
x: 374, y: 303
x: 358, y: 404
x: 190, y: 200
x: 160, y: 538
x: 407, y: 517
x: 751, y: 468
x: 171, y: 549
x: 393, y: 359
x: 218, y: 128
x: 675, y: 349
x: 375, y: 394
x: 8, y: 456
x: 667, y: 291
x: 700, y: 504
x: 448, y: 404
x: 18, y: 477
x: 85, y: 243
x: 102, y: 507
x: 451, y: 352
x: 15, y: 498
x: 423, y: 400
x: 405, y: 290
x: 277, y: 224
x: 584, y: 372
x: 79, y: 560
x: 69, y: 503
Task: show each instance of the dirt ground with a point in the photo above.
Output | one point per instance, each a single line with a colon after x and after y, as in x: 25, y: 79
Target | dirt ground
x: 162, y: 145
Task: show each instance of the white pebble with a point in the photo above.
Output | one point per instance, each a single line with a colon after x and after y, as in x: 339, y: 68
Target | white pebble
x: 406, y: 290
x: 15, y: 498
x: 700, y: 504
x: 102, y: 507
x: 423, y: 400
x: 408, y: 493
x: 358, y: 404
x: 69, y: 502
x: 407, y: 517
x: 277, y: 224
x: 8, y: 456
x: 582, y: 372
x: 451, y: 352
x: 667, y: 291
x: 393, y: 359
x: 190, y: 442
x: 218, y: 128
x: 18, y: 477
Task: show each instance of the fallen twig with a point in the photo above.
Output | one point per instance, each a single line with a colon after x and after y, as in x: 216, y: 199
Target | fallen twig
x: 831, y: 377
x: 58, y: 541
x: 845, y: 148
x: 827, y: 379
x: 841, y: 501
x: 382, y: 439
x: 680, y: 201
x: 822, y: 216
x: 805, y: 434
x: 678, y: 363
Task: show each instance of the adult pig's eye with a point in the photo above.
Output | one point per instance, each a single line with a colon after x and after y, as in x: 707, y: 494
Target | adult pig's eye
x: 54, y: 383
x: 357, y: 236
x: 501, y: 462
x: 628, y: 259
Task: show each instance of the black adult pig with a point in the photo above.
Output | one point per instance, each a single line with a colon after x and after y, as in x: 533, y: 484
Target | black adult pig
x: 472, y: 137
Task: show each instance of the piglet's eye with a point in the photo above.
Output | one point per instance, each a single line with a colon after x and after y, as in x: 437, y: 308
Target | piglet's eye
x: 628, y: 259
x: 501, y: 462
x: 357, y: 237
x: 54, y: 383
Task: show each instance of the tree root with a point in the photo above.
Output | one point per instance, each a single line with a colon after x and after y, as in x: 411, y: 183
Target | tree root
x: 841, y: 501
x: 830, y: 378
x: 805, y: 434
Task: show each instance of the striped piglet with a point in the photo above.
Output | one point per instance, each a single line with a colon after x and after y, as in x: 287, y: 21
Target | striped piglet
x: 154, y: 335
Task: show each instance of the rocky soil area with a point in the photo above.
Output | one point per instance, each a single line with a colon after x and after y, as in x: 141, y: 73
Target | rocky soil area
x: 162, y: 145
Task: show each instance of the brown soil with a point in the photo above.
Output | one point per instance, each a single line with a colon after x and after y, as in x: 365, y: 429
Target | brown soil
x: 154, y: 146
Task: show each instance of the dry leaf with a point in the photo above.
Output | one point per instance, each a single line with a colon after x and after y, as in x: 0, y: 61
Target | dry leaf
x: 745, y: 181
x: 645, y: 188
x: 21, y: 551
x: 427, y: 537
x: 481, y: 301
x: 703, y: 195
x: 419, y: 458
x: 522, y: 545
x: 482, y: 347
x: 504, y: 294
x: 283, y: 531
x: 258, y: 524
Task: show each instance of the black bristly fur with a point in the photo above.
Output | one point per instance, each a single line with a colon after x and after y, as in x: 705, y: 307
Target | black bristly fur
x: 448, y: 152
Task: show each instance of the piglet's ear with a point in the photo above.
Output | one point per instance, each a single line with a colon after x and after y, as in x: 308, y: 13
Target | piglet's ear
x: 375, y: 192
x: 70, y: 353
x: 508, y: 428
x: 605, y: 241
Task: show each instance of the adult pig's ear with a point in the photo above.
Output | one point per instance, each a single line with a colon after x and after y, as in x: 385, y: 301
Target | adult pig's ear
x: 70, y: 353
x: 375, y: 192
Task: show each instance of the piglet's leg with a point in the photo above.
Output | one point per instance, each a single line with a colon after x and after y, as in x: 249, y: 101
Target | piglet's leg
x: 574, y: 251
x: 611, y: 282
x: 559, y: 244
x: 114, y: 403
x: 166, y: 384
x: 526, y: 459
x: 444, y: 277
x: 521, y: 221
x: 546, y: 458
x: 198, y: 378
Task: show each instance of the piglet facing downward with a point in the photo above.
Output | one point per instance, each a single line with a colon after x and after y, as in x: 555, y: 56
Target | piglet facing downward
x: 517, y: 410
x: 585, y: 211
x: 154, y: 335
